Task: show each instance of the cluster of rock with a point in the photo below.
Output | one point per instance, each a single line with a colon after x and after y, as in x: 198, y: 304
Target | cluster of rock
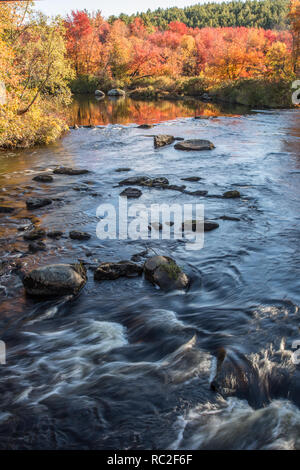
x: 188, y: 145
x: 65, y: 279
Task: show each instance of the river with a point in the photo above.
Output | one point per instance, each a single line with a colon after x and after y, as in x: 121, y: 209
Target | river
x: 125, y: 365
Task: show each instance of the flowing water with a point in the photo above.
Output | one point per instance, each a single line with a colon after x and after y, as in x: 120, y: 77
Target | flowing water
x: 125, y: 365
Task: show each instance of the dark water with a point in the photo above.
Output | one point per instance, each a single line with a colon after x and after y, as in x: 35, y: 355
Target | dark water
x: 127, y: 366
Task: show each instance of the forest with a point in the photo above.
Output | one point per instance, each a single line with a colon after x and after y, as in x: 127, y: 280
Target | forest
x: 267, y: 14
x: 42, y: 61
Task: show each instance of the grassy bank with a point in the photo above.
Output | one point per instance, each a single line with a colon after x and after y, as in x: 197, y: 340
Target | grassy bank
x: 265, y: 93
x: 256, y: 93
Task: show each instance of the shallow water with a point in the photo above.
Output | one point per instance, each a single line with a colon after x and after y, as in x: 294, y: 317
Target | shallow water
x: 124, y: 365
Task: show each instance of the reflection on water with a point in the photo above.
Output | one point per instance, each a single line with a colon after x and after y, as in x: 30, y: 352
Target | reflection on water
x: 87, y: 110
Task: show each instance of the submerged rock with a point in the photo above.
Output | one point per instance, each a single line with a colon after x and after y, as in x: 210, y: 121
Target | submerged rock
x: 35, y: 234
x: 136, y: 181
x: 62, y: 170
x: 43, y: 178
x: 112, y: 271
x: 192, y: 225
x: 120, y: 170
x: 162, y: 140
x: 139, y: 256
x: 165, y: 273
x: 232, y: 194
x: 55, y: 234
x: 229, y: 217
x: 132, y: 193
x: 55, y: 280
x: 6, y: 210
x: 77, y: 235
x: 196, y: 193
x: 36, y: 202
x: 146, y: 126
x: 174, y: 187
x: 192, y: 179
x: 34, y: 247
x: 196, y: 144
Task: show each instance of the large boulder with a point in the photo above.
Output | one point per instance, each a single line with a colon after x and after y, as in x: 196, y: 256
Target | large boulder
x: 55, y: 280
x: 112, y: 271
x: 162, y: 140
x: 165, y: 273
x: 116, y: 92
x: 196, y: 144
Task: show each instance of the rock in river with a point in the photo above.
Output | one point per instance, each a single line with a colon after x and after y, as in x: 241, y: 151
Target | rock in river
x: 146, y: 126
x: 35, y: 234
x: 164, y: 272
x: 55, y: 234
x: 36, y: 202
x: 43, y: 178
x: 192, y: 179
x: 112, y: 271
x: 232, y: 194
x: 34, y: 247
x: 55, y: 280
x: 62, y: 170
x: 159, y: 182
x: 192, y: 225
x: 77, y: 235
x: 195, y: 144
x: 132, y: 193
x: 162, y: 140
x: 6, y: 210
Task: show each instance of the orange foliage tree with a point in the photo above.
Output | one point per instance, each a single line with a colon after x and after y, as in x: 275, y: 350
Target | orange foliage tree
x: 121, y: 51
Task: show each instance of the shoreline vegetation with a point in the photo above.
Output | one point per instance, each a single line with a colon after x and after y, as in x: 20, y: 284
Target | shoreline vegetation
x: 251, y: 92
x: 152, y: 56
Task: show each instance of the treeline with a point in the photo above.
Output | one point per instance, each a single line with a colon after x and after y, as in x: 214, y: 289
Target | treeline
x: 267, y: 14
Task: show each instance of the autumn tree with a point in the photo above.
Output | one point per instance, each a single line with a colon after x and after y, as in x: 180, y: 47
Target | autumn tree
x: 295, y: 24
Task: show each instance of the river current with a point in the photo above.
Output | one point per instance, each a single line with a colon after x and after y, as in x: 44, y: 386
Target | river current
x: 125, y: 365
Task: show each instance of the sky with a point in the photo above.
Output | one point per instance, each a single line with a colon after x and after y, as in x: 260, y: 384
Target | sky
x: 109, y: 7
